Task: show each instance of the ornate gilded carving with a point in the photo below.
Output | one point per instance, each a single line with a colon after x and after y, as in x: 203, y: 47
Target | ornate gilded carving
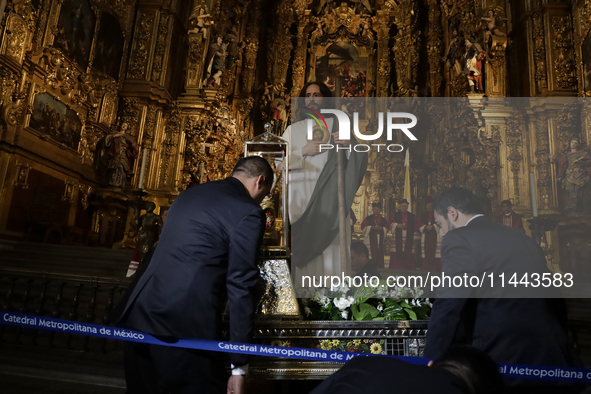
x: 142, y: 39
x: 539, y: 52
x: 195, y: 60
x: 564, y: 64
x: 16, y: 37
x: 382, y: 23
x: 434, y: 48
x: 582, y: 16
x: 68, y: 191
x: 21, y: 177
x: 542, y: 155
x: 299, y: 61
x: 406, y: 50
x: 171, y: 142
x: 160, y: 50
x: 16, y: 109
x: 108, y: 109
x: 130, y: 113
x: 514, y: 133
x: 85, y: 191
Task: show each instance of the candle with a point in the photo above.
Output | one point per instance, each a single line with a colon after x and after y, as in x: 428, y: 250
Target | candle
x: 143, y: 170
x: 534, y: 201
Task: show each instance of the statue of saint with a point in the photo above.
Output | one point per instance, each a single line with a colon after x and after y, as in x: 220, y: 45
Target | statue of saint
x: 574, y: 171
x: 474, y: 57
x: 120, y: 150
x: 151, y: 226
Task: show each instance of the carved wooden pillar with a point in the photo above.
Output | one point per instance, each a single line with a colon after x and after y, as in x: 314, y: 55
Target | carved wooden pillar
x: 384, y: 20
x: 435, y: 48
x: 251, y: 51
x: 406, y: 48
x: 299, y: 62
x: 543, y: 165
x: 540, y: 85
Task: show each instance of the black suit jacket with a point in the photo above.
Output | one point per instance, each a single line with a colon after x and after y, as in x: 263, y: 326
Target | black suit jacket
x: 370, y: 270
x: 208, y: 250
x: 510, y: 330
x: 386, y: 375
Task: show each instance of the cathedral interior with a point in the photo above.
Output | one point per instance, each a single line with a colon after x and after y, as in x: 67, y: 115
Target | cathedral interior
x: 111, y: 108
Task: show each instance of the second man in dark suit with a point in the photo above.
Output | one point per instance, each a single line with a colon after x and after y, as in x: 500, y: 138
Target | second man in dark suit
x: 510, y: 330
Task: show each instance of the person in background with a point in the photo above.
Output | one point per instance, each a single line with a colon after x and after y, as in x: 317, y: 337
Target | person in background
x: 403, y: 225
x: 430, y: 239
x: 509, y: 217
x: 360, y: 262
x: 374, y: 228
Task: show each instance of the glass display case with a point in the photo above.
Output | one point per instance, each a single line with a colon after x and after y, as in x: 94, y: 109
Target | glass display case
x: 275, y: 150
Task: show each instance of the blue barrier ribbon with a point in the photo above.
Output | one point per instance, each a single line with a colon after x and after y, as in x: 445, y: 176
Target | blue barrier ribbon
x: 564, y: 374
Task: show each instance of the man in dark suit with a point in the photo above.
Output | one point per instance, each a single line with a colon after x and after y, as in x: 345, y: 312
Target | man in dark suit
x: 461, y: 370
x: 508, y: 328
x: 207, y: 252
x: 360, y: 262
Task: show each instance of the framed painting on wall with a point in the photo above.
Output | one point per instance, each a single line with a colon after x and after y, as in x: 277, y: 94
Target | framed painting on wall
x: 342, y: 67
x: 109, y: 47
x: 53, y: 118
x: 75, y: 31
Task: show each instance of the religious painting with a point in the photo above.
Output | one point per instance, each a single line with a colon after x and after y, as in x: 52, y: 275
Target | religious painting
x: 342, y: 69
x: 109, y: 47
x: 75, y: 30
x: 586, y: 51
x: 320, y: 134
x: 51, y: 117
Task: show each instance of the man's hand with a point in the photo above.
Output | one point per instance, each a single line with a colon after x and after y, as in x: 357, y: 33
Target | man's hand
x: 344, y: 143
x: 400, y: 226
x: 236, y: 384
x: 312, y: 148
x: 429, y: 227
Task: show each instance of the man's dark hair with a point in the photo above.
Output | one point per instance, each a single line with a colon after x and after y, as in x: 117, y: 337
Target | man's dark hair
x: 458, y: 197
x: 253, y: 166
x: 360, y: 248
x: 474, y: 367
x: 507, y: 202
x: 324, y: 90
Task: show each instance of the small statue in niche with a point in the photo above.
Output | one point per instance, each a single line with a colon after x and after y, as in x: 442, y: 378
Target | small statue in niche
x: 199, y: 21
x: 455, y: 52
x: 215, y: 60
x: 267, y: 92
x: 318, y: 31
x: 114, y: 157
x: 574, y: 173
x: 474, y: 57
x: 150, y: 226
x: 493, y: 24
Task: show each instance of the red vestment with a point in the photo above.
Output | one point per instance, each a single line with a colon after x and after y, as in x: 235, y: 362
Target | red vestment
x: 402, y: 246
x: 512, y: 220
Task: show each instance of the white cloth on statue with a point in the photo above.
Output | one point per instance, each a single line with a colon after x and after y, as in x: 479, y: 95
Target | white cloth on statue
x: 303, y: 175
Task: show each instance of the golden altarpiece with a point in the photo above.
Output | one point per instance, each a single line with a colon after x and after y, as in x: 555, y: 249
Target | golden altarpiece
x: 90, y: 89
